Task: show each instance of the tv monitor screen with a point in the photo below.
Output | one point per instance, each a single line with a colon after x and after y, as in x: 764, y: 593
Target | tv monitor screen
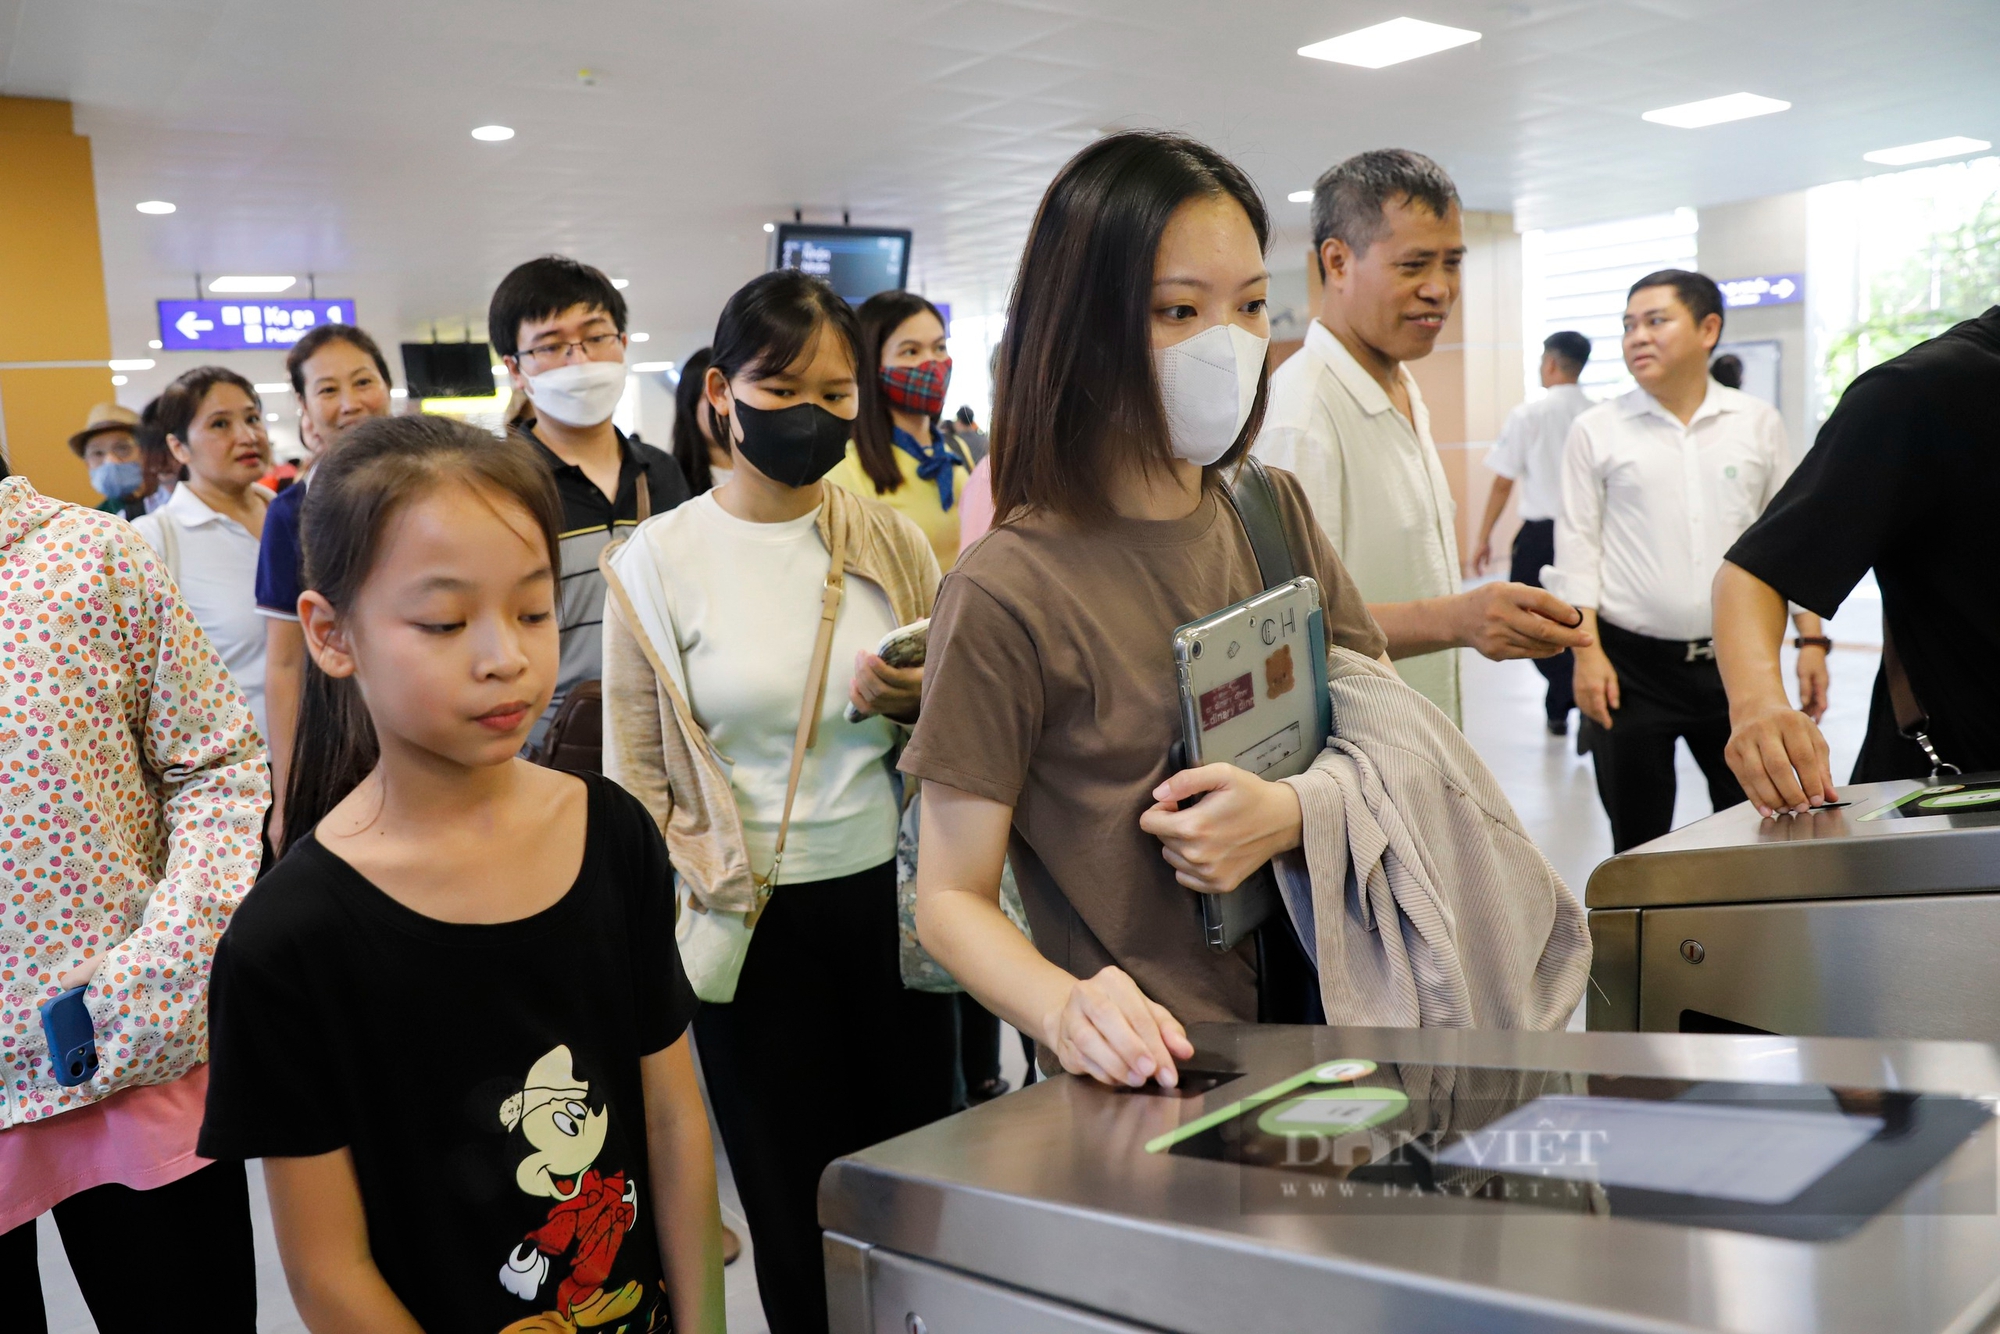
x: 857, y: 261
x: 449, y: 370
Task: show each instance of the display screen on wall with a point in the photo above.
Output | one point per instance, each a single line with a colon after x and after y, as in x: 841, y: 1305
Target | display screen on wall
x: 234, y: 326
x: 857, y: 261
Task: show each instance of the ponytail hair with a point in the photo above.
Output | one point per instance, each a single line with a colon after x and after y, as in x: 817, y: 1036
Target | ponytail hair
x: 382, y: 465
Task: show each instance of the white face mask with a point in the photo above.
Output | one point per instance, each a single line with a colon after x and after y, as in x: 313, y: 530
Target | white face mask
x: 1209, y: 384
x: 582, y: 393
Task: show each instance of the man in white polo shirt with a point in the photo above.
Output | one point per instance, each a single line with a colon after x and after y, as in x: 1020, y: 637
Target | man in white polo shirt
x: 1657, y: 484
x: 1345, y: 416
x: 1530, y: 452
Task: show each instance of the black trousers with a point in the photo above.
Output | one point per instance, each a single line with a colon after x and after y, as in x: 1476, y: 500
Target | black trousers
x: 173, y: 1260
x: 1534, y: 547
x: 787, y: 1091
x: 1662, y: 697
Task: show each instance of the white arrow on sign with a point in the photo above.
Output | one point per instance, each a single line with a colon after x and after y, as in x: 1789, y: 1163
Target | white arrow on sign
x: 191, y: 325
x: 1783, y: 288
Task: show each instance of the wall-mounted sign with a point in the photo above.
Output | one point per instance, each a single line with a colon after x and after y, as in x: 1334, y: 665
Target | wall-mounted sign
x: 233, y: 326
x: 1769, y: 289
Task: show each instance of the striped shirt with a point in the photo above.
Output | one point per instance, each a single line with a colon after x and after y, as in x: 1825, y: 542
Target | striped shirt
x: 591, y: 520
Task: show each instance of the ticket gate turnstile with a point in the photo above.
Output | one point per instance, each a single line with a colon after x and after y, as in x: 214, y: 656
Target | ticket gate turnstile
x: 1055, y: 1209
x: 1878, y: 918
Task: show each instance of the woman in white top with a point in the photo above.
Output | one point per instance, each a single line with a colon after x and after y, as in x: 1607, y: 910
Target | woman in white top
x: 820, y: 1051
x: 207, y: 533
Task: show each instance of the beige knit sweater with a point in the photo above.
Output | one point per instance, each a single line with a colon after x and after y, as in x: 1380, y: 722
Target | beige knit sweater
x: 1422, y: 898
x: 654, y: 748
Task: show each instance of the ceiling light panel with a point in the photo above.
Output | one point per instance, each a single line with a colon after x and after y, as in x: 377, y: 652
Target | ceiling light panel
x: 1389, y: 43
x: 493, y: 134
x: 1930, y: 150
x: 262, y: 285
x: 154, y: 206
x: 1715, y: 111
x: 1300, y: 197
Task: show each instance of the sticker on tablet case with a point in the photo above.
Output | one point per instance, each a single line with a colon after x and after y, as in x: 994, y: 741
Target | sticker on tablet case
x: 1278, y: 677
x: 1226, y: 701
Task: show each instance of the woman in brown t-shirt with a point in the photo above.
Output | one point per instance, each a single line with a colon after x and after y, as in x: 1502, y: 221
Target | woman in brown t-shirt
x: 1133, y: 374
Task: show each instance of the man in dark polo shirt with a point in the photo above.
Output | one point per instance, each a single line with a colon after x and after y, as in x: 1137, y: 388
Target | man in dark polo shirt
x: 559, y: 326
x: 1904, y: 479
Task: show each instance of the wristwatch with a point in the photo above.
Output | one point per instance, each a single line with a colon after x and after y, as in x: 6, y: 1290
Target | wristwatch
x: 1812, y: 641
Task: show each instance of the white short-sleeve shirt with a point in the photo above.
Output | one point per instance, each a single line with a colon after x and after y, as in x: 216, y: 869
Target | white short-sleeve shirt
x: 217, y: 576
x: 1376, y: 486
x: 1530, y: 449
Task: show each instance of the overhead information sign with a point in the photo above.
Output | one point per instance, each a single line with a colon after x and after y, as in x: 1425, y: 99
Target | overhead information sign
x: 1770, y: 289
x: 232, y: 326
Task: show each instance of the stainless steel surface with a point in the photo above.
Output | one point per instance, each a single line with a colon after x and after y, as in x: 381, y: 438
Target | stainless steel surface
x: 1823, y: 924
x: 1734, y: 856
x: 916, y: 1297
x: 1612, y: 1003
x: 1050, y: 1191
x: 1900, y: 968
x: 847, y: 1298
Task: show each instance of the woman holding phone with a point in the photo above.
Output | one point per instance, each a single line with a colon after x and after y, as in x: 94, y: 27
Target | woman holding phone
x: 1133, y: 378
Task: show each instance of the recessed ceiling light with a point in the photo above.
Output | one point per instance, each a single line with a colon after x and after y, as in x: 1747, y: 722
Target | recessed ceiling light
x: 621, y: 283
x: 1300, y: 196
x: 118, y: 380
x: 640, y: 338
x: 648, y: 367
x: 130, y: 363
x: 270, y: 416
x: 770, y: 226
x: 154, y: 343
x: 277, y: 387
x: 399, y: 392
x: 1389, y: 43
x: 252, y: 283
x: 1715, y: 111
x: 1928, y: 151
x: 493, y: 134
x: 154, y: 206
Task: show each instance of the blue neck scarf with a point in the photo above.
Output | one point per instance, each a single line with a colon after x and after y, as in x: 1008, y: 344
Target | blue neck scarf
x: 935, y: 464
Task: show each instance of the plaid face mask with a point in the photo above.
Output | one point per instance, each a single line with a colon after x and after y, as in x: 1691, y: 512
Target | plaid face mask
x: 918, y: 388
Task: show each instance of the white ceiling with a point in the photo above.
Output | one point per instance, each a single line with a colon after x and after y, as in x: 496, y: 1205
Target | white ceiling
x: 332, y: 138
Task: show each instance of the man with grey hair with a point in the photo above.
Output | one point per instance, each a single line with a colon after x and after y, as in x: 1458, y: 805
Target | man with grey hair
x: 1345, y: 415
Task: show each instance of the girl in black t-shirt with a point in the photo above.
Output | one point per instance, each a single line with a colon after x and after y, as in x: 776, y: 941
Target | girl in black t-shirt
x: 452, y: 1020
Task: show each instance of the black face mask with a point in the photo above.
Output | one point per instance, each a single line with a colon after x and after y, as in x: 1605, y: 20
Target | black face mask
x: 794, y: 446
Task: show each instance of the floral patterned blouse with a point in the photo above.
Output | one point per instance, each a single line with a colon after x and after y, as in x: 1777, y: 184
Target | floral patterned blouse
x: 133, y: 786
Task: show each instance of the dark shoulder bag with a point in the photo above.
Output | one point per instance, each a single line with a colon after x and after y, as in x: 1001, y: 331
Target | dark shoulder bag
x: 574, y: 742
x: 1287, y: 988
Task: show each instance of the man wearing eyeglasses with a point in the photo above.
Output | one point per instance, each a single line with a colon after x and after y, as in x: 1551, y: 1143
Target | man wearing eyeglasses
x: 559, y: 326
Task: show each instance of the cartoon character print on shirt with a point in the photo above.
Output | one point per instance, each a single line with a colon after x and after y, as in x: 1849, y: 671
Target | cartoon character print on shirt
x: 592, y: 1211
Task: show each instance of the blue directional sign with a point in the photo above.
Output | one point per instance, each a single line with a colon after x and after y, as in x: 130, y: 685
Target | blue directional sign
x: 233, y: 326
x: 1769, y: 289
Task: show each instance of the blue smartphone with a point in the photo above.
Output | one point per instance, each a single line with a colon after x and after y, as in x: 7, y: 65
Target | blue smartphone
x: 72, y: 1040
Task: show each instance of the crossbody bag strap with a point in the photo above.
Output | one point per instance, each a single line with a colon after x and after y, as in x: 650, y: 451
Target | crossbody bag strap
x: 1911, y: 720
x: 1255, y: 501
x: 815, y: 697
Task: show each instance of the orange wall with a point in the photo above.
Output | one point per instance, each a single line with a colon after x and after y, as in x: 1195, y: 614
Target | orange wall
x: 51, y: 293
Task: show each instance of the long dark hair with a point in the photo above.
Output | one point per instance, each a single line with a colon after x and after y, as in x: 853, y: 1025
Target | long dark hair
x: 690, y: 448
x: 382, y: 465
x: 774, y: 318
x: 874, y: 439
x: 1077, y: 396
